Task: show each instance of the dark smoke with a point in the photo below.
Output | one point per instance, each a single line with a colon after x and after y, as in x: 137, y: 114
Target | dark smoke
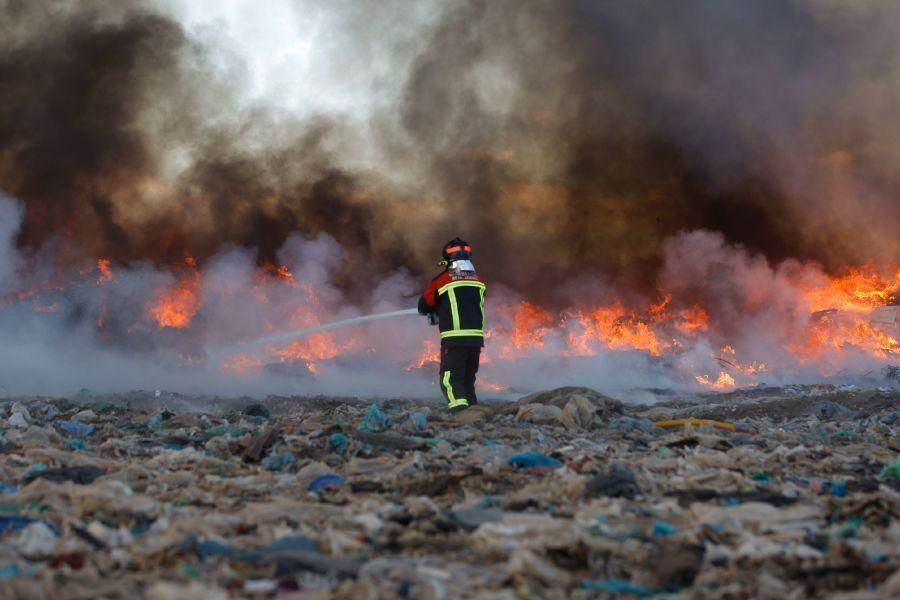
x: 562, y: 139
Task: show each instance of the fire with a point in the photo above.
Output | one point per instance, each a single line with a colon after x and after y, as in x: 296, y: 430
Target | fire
x: 106, y: 274
x: 282, y: 273
x: 430, y: 353
x: 176, y: 306
x: 620, y: 329
x: 530, y: 324
x: 723, y: 382
x: 691, y: 321
x: 860, y: 290
x: 854, y: 313
x: 847, y: 314
x: 314, y: 349
x: 241, y: 363
x: 491, y: 386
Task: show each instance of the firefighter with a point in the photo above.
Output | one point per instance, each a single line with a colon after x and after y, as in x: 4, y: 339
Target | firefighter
x: 455, y: 300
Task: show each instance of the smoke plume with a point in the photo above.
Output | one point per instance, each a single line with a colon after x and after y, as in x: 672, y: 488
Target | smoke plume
x: 559, y: 138
x: 575, y: 144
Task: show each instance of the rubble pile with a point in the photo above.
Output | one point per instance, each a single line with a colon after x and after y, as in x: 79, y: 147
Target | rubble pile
x: 772, y: 493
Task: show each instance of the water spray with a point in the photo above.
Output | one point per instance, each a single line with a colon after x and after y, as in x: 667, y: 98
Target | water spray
x: 305, y: 331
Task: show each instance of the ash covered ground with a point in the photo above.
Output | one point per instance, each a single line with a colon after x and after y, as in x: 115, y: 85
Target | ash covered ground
x: 788, y: 492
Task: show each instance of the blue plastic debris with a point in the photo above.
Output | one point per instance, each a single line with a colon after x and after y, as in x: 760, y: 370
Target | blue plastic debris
x: 74, y: 428
x: 14, y: 522
x: 155, y: 422
x: 292, y: 542
x: 34, y: 470
x: 324, y: 481
x: 8, y: 572
x: 839, y: 490
x: 528, y: 460
x: 338, y: 442
x: 76, y: 444
x: 617, y: 586
x: 279, y: 462
x: 891, y: 418
x: 375, y: 420
x: 416, y: 422
x: 5, y: 488
x: 205, y: 548
x: 662, y: 529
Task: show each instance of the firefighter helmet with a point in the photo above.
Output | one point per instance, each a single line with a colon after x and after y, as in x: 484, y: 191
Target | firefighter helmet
x: 456, y: 249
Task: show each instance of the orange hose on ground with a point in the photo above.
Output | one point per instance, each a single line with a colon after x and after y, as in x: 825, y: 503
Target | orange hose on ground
x: 682, y: 422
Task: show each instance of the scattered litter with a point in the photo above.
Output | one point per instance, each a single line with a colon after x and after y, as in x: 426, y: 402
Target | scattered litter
x: 75, y: 429
x: 18, y: 420
x: 891, y: 472
x: 891, y: 418
x: 375, y: 420
x: 257, y: 410
x: 338, y: 442
x: 826, y: 409
x: 617, y: 482
x: 775, y: 492
x: 324, y: 481
x: 529, y: 460
x: 279, y: 462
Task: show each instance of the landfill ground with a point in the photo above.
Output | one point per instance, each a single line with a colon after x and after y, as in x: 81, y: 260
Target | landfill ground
x: 792, y: 492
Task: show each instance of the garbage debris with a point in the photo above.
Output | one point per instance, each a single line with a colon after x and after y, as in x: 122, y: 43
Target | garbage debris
x: 375, y: 420
x: 618, y: 482
x: 530, y: 460
x: 75, y: 428
x: 782, y: 492
x: 826, y: 409
x: 323, y: 481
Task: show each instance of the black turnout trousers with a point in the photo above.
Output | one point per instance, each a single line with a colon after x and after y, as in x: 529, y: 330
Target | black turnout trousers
x: 459, y: 365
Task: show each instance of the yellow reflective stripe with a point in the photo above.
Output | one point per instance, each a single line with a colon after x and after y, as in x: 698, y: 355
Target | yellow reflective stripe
x: 461, y: 283
x: 483, y: 318
x: 452, y: 401
x: 448, y: 387
x: 462, y: 333
x: 460, y: 402
x: 454, y: 308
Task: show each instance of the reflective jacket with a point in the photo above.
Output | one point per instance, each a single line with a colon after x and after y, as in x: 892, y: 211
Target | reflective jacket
x: 459, y: 305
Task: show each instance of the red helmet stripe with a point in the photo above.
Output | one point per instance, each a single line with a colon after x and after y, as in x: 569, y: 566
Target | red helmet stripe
x: 458, y: 249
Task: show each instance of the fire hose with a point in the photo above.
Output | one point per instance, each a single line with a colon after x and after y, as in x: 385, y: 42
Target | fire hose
x: 305, y: 331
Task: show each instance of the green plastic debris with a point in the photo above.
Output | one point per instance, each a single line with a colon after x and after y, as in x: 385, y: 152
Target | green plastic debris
x: 848, y: 530
x: 218, y: 430
x: 890, y: 471
x: 189, y: 570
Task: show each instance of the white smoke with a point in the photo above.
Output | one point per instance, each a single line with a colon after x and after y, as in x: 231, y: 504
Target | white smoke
x: 66, y: 331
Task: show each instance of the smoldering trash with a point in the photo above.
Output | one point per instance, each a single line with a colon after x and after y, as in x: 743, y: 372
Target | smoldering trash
x: 566, y: 493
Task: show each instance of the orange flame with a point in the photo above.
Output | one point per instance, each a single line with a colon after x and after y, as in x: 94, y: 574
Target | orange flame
x: 860, y: 290
x: 176, y: 306
x: 106, y: 274
x: 723, y: 382
x: 430, y: 353
x: 241, y: 363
